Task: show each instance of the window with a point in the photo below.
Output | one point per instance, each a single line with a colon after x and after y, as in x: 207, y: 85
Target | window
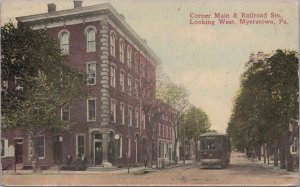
x: 64, y: 42
x: 163, y: 131
x: 41, y: 146
x: 167, y: 132
x: 159, y: 130
x: 129, y: 85
x: 91, y: 114
x: 113, y: 44
x: 4, y: 147
x: 129, y: 147
x: 293, y: 148
x: 136, y: 62
x: 90, y: 40
x: 136, y: 118
x: 121, y: 48
x: 143, y: 122
x: 129, y: 57
x: 19, y: 83
x: 113, y: 111
x: 120, y: 147
x: 80, y: 145
x: 130, y: 116
x: 136, y: 88
x: 113, y: 76
x: 65, y: 113
x: 122, y: 108
x: 122, y: 81
x: 91, y: 73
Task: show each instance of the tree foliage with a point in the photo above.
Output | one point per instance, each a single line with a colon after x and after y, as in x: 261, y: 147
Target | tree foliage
x: 49, y: 83
x: 267, y: 99
x: 195, y: 123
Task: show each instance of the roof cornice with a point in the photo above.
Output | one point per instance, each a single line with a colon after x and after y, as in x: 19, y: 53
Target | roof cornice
x: 89, y: 10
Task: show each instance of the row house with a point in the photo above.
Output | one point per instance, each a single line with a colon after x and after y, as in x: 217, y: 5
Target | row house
x: 110, y: 124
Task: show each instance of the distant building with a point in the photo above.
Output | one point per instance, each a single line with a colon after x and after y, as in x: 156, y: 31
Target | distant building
x: 109, y: 124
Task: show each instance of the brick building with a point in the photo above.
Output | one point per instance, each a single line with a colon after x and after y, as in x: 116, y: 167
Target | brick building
x: 110, y: 124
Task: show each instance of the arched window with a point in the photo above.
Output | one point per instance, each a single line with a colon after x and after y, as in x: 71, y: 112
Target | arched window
x: 121, y: 47
x: 113, y: 44
x: 64, y: 42
x: 91, y: 40
x: 113, y: 76
x: 129, y: 57
x: 136, y: 62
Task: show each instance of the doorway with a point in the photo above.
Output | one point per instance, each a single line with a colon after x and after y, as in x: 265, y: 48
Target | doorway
x: 57, y: 150
x: 19, y: 151
x: 98, y: 153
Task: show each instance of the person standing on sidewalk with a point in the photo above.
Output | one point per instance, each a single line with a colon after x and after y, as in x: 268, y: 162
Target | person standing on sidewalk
x: 145, y: 162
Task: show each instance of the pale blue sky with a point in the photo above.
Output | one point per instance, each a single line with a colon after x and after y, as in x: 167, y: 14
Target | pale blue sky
x: 207, y: 60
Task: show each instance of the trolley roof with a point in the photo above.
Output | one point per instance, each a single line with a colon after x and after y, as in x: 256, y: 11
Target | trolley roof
x: 212, y: 134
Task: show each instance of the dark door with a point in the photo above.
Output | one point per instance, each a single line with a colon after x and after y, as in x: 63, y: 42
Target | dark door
x: 98, y: 153
x: 57, y: 151
x: 19, y: 151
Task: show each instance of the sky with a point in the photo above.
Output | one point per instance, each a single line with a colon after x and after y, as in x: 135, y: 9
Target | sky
x: 207, y: 59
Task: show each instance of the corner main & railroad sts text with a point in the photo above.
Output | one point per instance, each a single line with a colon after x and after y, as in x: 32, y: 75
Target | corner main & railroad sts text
x: 235, y: 15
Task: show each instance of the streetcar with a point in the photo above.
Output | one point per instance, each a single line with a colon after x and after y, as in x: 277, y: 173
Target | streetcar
x: 214, y: 150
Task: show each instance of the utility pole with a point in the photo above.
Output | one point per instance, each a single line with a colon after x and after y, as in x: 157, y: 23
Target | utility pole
x: 183, y: 144
x: 128, y: 141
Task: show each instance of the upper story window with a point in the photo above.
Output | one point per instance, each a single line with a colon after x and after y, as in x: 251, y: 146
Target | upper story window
x: 19, y: 84
x: 136, y: 62
x: 129, y: 85
x: 159, y: 134
x: 113, y: 76
x: 143, y: 121
x: 122, y: 81
x: 129, y: 57
x: 136, y: 88
x: 91, y: 39
x: 64, y: 38
x: 122, y: 110
x: 130, y: 116
x: 113, y: 111
x: 65, y: 113
x: 91, y: 109
x: 112, y: 43
x: 121, y: 48
x: 136, y: 117
x: 91, y: 73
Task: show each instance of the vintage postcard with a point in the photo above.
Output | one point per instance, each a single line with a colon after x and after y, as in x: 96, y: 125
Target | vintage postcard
x: 149, y: 93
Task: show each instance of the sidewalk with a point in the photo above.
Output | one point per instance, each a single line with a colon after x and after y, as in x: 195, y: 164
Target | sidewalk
x: 124, y: 170
x: 277, y: 169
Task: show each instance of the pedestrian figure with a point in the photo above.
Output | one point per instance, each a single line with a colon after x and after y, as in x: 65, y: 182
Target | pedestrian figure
x: 69, y: 162
x: 76, y: 162
x: 98, y: 156
x: 83, y: 162
x: 145, y: 162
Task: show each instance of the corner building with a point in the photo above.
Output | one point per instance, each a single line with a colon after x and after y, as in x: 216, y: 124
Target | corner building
x: 109, y: 124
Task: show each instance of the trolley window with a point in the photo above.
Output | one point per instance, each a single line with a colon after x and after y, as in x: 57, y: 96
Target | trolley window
x: 210, y: 143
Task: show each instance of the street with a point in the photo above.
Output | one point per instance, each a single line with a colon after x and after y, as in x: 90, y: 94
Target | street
x: 240, y: 172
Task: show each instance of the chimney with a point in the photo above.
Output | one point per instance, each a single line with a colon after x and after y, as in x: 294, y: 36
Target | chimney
x: 77, y: 3
x: 51, y: 7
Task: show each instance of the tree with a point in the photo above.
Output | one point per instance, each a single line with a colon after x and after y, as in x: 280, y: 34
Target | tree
x: 49, y: 84
x: 266, y: 102
x: 195, y: 123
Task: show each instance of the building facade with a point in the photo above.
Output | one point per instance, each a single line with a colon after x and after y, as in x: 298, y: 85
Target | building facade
x: 110, y: 125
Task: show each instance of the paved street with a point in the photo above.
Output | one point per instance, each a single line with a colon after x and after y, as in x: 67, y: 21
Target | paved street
x: 240, y: 172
